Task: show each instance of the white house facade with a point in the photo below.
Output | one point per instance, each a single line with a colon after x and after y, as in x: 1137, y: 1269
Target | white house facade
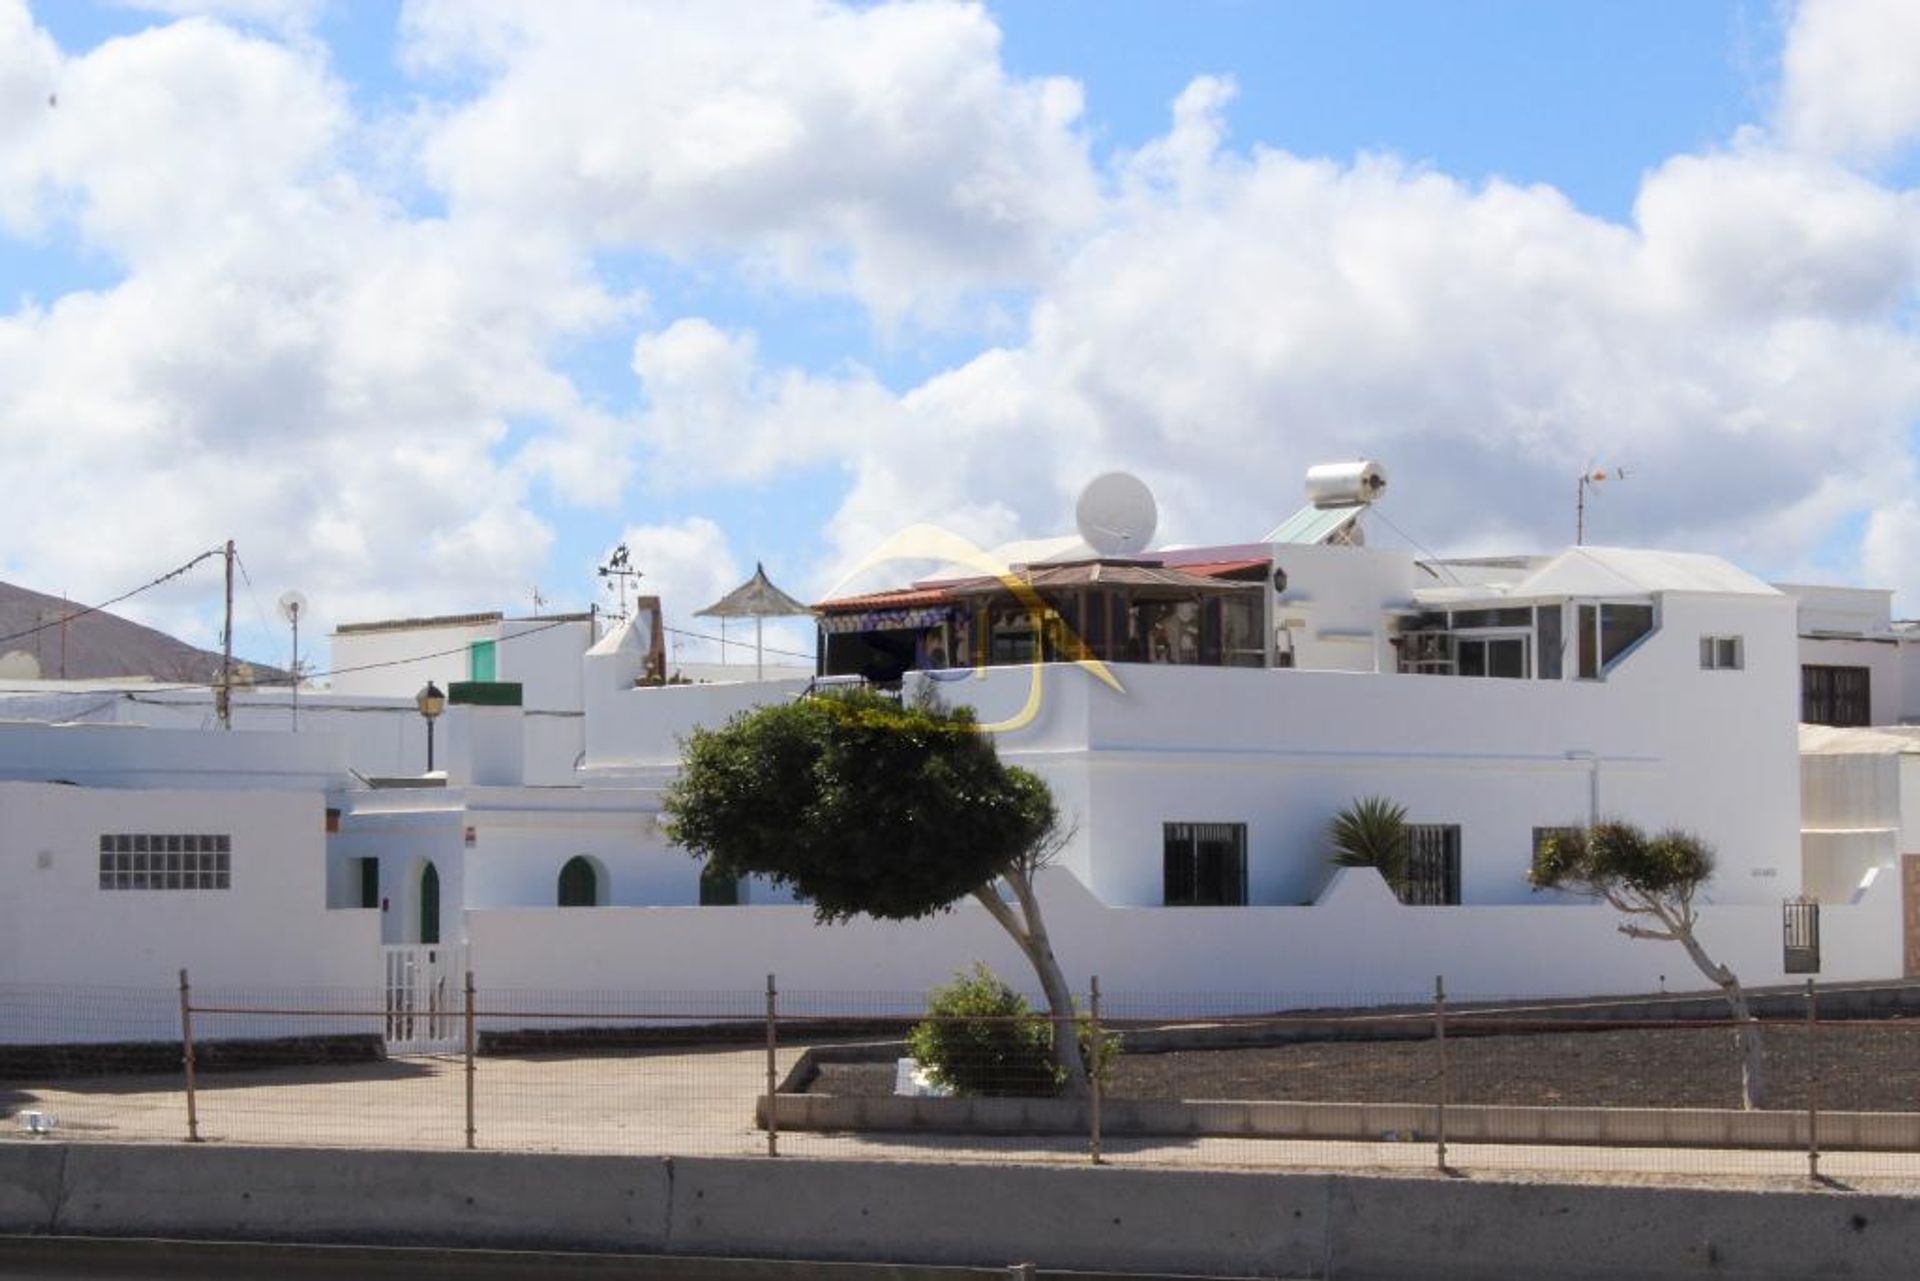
x: 1200, y: 714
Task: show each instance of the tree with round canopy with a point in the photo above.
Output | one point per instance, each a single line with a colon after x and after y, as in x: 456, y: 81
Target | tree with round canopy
x: 869, y: 807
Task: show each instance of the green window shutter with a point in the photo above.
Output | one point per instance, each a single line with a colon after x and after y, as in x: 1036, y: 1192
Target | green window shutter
x: 480, y: 665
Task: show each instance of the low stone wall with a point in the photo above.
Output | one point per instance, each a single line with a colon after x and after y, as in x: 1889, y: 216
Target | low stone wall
x: 506, y: 1042
x: 110, y: 1058
x: 1366, y: 1122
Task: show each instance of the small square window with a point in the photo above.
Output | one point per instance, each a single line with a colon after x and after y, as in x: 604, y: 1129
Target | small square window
x: 1722, y: 653
x: 222, y: 843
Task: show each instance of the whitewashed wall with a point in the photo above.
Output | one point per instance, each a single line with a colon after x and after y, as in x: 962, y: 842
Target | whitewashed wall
x: 139, y: 756
x: 271, y: 929
x: 395, y: 664
x: 1357, y: 943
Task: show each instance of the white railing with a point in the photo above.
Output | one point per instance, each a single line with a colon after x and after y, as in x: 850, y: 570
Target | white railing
x: 425, y: 985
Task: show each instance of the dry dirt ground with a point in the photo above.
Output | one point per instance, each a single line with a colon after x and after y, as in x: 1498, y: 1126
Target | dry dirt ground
x: 1863, y: 1067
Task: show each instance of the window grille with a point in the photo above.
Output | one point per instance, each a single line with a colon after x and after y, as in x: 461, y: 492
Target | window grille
x: 165, y: 861
x: 1836, y: 695
x: 1433, y: 865
x: 1205, y: 864
x: 1800, y: 930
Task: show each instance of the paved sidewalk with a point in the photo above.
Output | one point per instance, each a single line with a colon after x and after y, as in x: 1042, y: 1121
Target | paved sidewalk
x: 686, y: 1103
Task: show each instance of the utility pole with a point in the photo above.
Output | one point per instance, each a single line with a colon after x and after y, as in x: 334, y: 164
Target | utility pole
x: 226, y: 648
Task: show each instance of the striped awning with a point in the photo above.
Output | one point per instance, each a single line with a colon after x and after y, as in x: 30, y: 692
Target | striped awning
x: 885, y: 620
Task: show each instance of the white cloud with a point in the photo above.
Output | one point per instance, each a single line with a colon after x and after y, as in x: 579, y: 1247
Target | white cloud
x: 373, y: 400
x: 363, y: 399
x: 720, y: 416
x: 1849, y: 86
x: 1745, y: 349
x: 879, y: 150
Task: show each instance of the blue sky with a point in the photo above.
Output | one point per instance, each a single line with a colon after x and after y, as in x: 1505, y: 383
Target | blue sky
x: 762, y: 283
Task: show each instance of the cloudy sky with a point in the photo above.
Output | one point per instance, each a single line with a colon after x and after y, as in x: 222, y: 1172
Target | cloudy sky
x: 429, y: 304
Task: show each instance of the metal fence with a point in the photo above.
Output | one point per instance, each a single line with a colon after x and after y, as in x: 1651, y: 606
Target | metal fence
x: 1642, y: 1088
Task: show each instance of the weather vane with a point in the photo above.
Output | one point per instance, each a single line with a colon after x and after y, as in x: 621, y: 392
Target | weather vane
x: 619, y: 569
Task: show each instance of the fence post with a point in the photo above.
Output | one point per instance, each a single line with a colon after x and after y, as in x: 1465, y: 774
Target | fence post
x: 773, y: 1045
x: 1813, y: 1086
x: 472, y: 1039
x: 1093, y: 1065
x: 1440, y: 1041
x: 186, y: 1044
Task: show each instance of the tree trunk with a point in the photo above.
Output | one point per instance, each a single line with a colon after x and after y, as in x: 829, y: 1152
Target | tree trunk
x: 1029, y: 930
x: 1746, y: 1032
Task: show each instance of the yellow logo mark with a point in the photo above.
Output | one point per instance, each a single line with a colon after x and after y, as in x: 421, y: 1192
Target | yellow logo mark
x: 930, y: 542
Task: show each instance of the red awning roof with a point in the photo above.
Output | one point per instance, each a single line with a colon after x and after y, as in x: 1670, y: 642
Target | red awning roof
x: 947, y: 592
x: 899, y: 598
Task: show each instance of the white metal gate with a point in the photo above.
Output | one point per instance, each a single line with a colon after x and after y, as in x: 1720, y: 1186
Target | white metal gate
x: 425, y: 999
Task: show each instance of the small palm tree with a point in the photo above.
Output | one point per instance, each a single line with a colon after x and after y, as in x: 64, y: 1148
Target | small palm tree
x: 1372, y: 832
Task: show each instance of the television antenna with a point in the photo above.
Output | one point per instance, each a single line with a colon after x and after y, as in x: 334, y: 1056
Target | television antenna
x: 619, y: 569
x: 1116, y: 514
x: 1589, y: 479
x: 292, y: 606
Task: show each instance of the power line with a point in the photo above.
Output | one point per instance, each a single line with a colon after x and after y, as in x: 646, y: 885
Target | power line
x: 106, y: 604
x: 1418, y: 546
x: 266, y: 625
x: 771, y: 649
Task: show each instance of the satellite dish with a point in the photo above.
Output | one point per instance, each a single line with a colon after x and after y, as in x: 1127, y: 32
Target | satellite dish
x: 292, y: 606
x: 1116, y: 514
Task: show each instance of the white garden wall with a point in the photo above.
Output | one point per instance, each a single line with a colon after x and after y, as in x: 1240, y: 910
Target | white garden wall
x: 1357, y: 944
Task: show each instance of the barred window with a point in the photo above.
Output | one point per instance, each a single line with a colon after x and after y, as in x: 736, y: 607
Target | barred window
x: 165, y: 861
x: 1836, y: 695
x: 1205, y: 864
x: 1433, y: 865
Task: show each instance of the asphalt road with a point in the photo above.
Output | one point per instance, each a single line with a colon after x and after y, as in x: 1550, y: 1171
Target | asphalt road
x: 66, y: 1258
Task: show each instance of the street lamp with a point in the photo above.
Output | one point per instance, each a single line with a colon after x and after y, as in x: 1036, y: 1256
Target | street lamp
x: 431, y: 703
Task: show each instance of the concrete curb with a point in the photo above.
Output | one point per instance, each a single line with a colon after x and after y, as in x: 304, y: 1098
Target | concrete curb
x: 1407, y: 1122
x: 975, y: 1215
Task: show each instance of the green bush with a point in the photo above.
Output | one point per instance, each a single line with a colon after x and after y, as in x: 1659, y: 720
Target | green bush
x: 982, y: 1039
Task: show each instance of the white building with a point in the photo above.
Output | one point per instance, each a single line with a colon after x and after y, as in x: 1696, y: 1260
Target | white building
x: 1261, y: 688
x: 128, y: 854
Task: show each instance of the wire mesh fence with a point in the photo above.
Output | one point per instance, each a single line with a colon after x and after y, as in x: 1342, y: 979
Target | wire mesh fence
x: 1650, y: 1087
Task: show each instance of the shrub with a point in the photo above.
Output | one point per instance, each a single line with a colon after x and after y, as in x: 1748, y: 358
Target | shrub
x: 1372, y: 832
x: 982, y: 1038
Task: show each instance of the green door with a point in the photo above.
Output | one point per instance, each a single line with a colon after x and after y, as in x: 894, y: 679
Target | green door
x: 579, y: 885
x: 480, y: 665
x: 430, y: 905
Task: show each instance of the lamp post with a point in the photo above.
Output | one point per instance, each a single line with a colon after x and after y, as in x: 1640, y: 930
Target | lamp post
x: 431, y: 703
